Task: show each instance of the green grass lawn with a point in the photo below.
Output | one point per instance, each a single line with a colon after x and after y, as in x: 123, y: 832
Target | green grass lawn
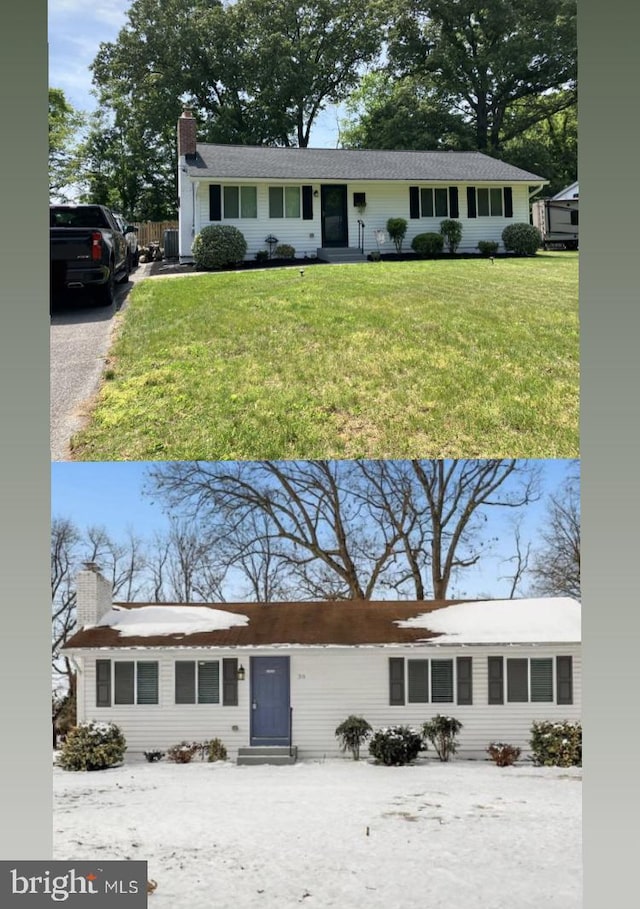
x: 449, y: 358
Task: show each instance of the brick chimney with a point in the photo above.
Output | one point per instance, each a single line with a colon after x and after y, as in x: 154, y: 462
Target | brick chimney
x: 93, y: 595
x: 186, y: 134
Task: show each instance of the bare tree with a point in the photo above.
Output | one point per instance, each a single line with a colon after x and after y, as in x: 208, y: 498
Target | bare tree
x: 520, y: 560
x: 65, y: 540
x: 556, y: 565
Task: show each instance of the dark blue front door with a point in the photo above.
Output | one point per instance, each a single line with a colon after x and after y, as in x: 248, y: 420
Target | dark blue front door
x: 270, y: 700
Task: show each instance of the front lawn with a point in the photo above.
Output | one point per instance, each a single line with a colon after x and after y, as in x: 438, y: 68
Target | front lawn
x: 450, y: 358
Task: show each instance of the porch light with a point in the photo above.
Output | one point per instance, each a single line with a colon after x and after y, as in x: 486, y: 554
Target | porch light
x: 241, y: 673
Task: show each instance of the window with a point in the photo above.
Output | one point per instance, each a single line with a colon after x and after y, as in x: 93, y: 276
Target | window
x: 284, y: 201
x: 202, y: 682
x: 240, y: 202
x: 133, y: 682
x: 574, y: 217
x: 433, y: 202
x: 530, y: 680
x: 430, y: 681
x: 489, y: 202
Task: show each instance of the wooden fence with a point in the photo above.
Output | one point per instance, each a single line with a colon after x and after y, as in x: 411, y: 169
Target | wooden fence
x: 153, y: 231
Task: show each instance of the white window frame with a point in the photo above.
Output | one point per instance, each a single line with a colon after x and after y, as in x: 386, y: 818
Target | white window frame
x: 283, y: 188
x: 136, y: 701
x: 240, y: 187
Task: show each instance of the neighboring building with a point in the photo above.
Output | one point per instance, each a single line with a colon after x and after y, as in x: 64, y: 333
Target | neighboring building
x: 331, y: 203
x: 557, y: 218
x: 287, y: 674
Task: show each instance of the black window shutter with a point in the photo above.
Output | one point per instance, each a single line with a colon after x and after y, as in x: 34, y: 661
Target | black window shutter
x: 454, y: 209
x: 124, y: 679
x: 185, y: 682
x: 414, y: 202
x: 307, y: 203
x: 396, y: 681
x: 418, y: 678
x: 517, y: 680
x: 465, y: 687
x: 495, y: 669
x: 471, y: 204
x: 215, y: 202
x: 508, y: 202
x: 103, y: 683
x: 230, y: 682
x: 564, y: 680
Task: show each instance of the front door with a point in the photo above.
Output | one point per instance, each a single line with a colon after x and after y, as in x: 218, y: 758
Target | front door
x: 270, y: 701
x: 334, y: 216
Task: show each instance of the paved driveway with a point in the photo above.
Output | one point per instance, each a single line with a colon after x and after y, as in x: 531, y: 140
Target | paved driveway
x: 80, y: 337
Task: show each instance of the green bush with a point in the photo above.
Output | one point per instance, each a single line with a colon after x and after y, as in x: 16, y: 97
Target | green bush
x: 556, y: 744
x: 502, y: 754
x: 92, y: 746
x: 183, y: 753
x: 488, y: 247
x: 285, y: 251
x: 395, y: 745
x: 353, y: 732
x: 397, y: 228
x: 262, y: 255
x: 441, y: 731
x: 217, y: 246
x: 429, y: 244
x: 214, y: 750
x: 452, y: 232
x: 522, y: 239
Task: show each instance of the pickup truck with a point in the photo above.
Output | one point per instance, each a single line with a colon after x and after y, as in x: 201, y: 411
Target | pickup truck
x: 87, y: 250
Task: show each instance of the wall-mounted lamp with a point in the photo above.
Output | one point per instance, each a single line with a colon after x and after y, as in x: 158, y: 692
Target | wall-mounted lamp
x: 316, y: 193
x: 241, y: 673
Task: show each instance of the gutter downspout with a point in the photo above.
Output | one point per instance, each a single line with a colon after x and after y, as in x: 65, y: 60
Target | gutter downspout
x: 537, y: 189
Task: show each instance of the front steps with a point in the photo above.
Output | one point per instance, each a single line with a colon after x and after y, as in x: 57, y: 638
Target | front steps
x: 341, y: 254
x: 268, y: 754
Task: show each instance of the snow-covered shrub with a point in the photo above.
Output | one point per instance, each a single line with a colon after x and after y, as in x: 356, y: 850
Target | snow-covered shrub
x: 92, y: 746
x: 556, y: 744
x: 451, y: 230
x: 182, y: 753
x: 429, y: 244
x: 218, y: 245
x: 441, y: 731
x: 214, y: 750
x: 153, y: 756
x: 394, y: 745
x: 353, y: 732
x: 522, y: 239
x: 397, y: 228
x: 502, y: 754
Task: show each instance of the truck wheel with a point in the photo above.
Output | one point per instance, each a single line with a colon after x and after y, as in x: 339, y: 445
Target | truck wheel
x: 107, y: 292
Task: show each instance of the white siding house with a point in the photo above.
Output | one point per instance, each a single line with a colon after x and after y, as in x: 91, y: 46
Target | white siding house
x: 287, y: 674
x: 332, y: 203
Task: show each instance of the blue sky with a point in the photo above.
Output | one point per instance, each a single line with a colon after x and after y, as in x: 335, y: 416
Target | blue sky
x: 76, y: 29
x: 110, y: 495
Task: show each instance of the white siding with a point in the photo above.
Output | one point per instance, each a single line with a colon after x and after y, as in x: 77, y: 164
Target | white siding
x: 328, y: 684
x: 384, y: 201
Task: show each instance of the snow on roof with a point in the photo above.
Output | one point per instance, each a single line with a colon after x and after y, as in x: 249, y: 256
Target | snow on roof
x: 503, y: 621
x: 149, y: 621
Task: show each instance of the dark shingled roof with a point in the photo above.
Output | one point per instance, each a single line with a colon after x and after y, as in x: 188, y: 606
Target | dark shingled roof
x: 316, y: 164
x: 347, y: 623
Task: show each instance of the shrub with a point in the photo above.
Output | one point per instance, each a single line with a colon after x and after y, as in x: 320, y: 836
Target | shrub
x: 153, y: 756
x: 395, y: 745
x: 428, y: 244
x: 213, y: 750
x: 502, y: 754
x: 285, y: 251
x: 441, y: 731
x: 488, y: 247
x: 217, y: 246
x: 556, y: 744
x: 182, y: 753
x: 452, y: 232
x: 522, y: 239
x: 397, y: 228
x: 353, y: 732
x: 262, y: 255
x: 92, y: 746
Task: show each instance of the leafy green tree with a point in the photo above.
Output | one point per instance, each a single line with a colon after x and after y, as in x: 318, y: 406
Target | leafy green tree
x: 549, y: 148
x: 501, y: 65
x: 65, y: 126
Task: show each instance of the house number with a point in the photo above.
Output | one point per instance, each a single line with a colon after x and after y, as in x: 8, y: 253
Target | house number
x: 301, y: 675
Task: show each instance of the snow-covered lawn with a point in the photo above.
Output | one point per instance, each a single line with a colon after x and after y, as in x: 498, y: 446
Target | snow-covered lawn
x: 462, y: 835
